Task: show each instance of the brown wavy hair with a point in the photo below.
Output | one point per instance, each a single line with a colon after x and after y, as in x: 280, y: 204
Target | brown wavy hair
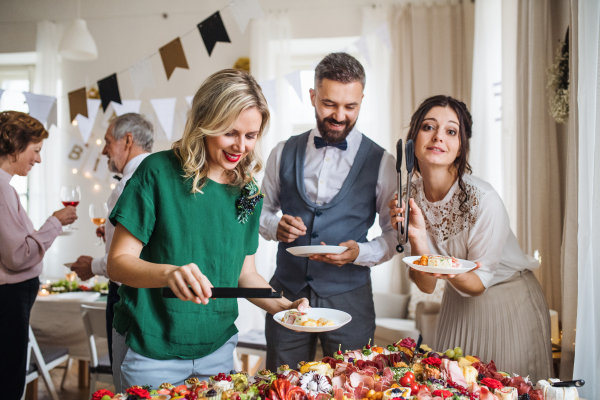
x: 17, y: 131
x: 217, y: 105
x: 461, y: 163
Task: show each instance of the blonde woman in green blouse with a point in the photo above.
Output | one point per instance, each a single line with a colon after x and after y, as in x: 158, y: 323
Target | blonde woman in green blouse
x: 177, y: 225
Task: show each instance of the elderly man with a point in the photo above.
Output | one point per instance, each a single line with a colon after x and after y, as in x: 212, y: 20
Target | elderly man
x: 329, y: 184
x: 129, y: 140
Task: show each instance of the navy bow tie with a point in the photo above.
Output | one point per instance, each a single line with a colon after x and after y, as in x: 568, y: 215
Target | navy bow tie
x: 117, y: 177
x: 319, y: 143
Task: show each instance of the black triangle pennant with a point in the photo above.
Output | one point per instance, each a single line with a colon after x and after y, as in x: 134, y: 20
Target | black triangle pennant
x: 212, y: 31
x: 109, y: 91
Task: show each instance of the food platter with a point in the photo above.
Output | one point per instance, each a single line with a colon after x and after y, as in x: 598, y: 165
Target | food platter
x: 338, y: 317
x: 466, y: 267
x: 307, y: 251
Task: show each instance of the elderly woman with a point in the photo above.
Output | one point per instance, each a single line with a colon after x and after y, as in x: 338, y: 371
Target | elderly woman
x: 21, y: 247
x: 496, y: 311
x: 178, y: 225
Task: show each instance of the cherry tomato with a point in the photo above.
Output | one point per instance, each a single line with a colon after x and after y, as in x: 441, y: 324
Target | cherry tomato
x: 424, y: 387
x: 405, y: 381
x: 410, y: 376
x: 414, y: 388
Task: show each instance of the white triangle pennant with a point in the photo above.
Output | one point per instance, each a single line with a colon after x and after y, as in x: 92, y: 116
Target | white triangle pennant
x: 244, y: 10
x: 383, y: 33
x: 294, y: 79
x: 84, y: 124
x: 141, y: 76
x: 52, y: 117
x: 165, y: 111
x: 269, y: 89
x: 363, y: 47
x: 189, y: 100
x: 127, y: 106
x: 39, y: 105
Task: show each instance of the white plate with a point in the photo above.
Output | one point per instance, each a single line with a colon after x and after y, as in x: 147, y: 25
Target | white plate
x: 307, y: 251
x: 338, y: 317
x: 68, y: 265
x: 466, y: 267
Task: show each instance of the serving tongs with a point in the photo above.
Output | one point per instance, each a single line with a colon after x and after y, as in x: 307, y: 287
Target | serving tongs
x: 577, y: 383
x: 410, y: 163
x: 233, y: 293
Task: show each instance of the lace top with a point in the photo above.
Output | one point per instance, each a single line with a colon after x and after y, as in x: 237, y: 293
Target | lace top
x: 482, y: 234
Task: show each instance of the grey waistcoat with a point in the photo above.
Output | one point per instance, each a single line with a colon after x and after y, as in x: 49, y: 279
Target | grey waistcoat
x: 348, y: 216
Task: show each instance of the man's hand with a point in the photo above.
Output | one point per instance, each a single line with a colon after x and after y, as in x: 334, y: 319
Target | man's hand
x: 300, y: 304
x: 83, y: 268
x: 346, y: 257
x: 290, y: 228
x: 100, y: 232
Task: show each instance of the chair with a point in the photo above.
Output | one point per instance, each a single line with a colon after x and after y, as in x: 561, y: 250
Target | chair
x: 391, y: 322
x: 252, y: 343
x: 44, y: 360
x: 94, y: 321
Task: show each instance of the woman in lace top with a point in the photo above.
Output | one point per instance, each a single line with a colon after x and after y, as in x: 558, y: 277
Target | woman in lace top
x: 497, y: 311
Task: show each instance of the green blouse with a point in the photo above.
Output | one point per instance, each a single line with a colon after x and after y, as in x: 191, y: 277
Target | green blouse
x: 178, y: 228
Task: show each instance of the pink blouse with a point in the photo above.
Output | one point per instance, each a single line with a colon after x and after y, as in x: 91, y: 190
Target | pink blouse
x: 22, y: 248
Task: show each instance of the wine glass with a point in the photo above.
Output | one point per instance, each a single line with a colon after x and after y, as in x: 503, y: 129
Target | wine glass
x: 70, y: 195
x: 71, y: 275
x: 98, y: 214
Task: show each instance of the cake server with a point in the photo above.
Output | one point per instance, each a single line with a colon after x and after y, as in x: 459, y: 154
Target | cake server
x: 234, y: 293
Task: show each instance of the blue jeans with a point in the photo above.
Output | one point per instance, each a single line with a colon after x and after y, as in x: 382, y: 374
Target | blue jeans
x: 131, y: 368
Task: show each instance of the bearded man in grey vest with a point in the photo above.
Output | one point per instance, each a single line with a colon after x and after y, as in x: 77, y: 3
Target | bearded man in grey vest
x: 329, y: 184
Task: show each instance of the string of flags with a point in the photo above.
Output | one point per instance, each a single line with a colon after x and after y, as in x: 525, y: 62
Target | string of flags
x: 212, y: 30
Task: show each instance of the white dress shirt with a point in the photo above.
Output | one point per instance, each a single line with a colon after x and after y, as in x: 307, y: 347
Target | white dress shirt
x: 325, y: 171
x: 99, y: 263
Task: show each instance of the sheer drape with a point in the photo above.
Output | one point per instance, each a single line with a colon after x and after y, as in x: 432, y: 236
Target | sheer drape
x: 587, y: 348
x: 44, y: 182
x: 540, y: 212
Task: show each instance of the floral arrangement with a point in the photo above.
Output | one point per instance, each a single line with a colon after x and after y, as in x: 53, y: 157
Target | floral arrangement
x: 247, y: 202
x: 558, y: 83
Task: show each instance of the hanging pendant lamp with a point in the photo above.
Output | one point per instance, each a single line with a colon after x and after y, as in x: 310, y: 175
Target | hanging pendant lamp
x: 77, y: 43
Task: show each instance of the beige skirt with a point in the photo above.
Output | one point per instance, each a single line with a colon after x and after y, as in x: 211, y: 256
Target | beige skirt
x: 509, y: 323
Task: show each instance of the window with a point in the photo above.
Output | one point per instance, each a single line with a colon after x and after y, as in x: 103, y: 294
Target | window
x: 14, y: 80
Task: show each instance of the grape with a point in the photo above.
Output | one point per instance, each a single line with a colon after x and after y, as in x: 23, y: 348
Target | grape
x: 450, y: 353
x: 458, y: 351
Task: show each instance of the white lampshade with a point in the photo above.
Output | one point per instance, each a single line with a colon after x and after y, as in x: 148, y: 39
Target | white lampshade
x: 77, y: 43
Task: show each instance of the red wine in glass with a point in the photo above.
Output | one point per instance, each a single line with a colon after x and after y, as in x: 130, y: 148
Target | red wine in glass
x: 70, y: 195
x: 70, y: 203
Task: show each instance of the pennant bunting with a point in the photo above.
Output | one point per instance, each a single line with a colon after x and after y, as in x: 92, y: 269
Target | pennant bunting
x: 127, y: 106
x: 165, y: 111
x: 363, y: 47
x: 172, y: 56
x: 39, y: 106
x: 109, y: 90
x: 212, y: 31
x: 84, y: 124
x: 77, y: 104
x: 76, y: 152
x: 53, y: 116
x: 244, y: 10
x: 295, y: 81
x: 189, y: 100
x: 141, y: 76
x: 269, y: 89
x: 383, y: 33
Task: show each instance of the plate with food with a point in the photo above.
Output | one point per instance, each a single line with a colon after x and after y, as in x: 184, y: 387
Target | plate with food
x: 313, y: 319
x: 437, y: 264
x: 307, y: 251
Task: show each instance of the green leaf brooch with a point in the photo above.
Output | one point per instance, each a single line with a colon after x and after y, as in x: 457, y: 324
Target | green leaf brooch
x: 246, y: 203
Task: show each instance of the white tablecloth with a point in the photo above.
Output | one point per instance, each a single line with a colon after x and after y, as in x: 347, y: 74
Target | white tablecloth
x: 56, y: 321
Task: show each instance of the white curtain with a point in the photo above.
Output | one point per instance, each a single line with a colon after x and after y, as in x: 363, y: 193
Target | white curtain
x: 587, y: 348
x: 269, y: 60
x: 487, y: 86
x: 540, y: 212
x: 44, y: 181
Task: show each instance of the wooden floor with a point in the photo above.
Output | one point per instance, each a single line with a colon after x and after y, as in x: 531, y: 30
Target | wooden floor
x: 71, y: 390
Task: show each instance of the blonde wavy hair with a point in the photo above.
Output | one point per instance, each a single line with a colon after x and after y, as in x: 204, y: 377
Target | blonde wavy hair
x: 217, y: 105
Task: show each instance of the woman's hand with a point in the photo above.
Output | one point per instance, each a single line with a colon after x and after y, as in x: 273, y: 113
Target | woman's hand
x: 199, y: 290
x: 300, y: 304
x: 66, y: 216
x: 417, y: 232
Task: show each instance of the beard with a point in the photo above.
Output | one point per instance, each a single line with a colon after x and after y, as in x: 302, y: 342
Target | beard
x: 332, y: 136
x: 112, y: 167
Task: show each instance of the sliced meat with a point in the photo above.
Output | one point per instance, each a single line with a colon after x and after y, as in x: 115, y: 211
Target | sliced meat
x: 356, y: 379
x: 450, y: 369
x: 338, y: 381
